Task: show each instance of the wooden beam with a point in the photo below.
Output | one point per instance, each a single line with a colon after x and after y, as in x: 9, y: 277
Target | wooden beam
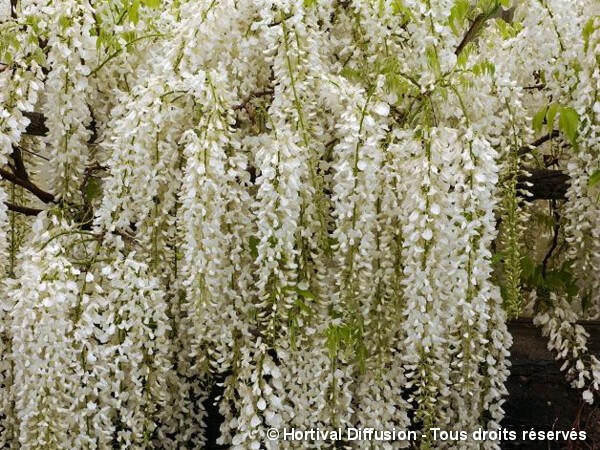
x: 539, y: 397
x: 544, y: 184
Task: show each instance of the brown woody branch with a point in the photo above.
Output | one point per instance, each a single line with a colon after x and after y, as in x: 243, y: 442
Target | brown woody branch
x: 535, y: 87
x: 23, y: 209
x: 542, y: 184
x: 37, y: 125
x: 480, y: 21
x: 19, y: 165
x: 538, y: 142
x: 251, y: 97
x: 37, y: 155
x: 471, y: 33
x: 44, y: 196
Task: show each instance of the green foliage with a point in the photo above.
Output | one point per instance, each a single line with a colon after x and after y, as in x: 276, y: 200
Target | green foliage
x: 546, y: 221
x: 396, y: 81
x: 538, y: 119
x: 399, y: 9
x: 301, y: 308
x: 561, y: 279
x: 594, y: 179
x: 134, y: 12
x: 586, y: 301
x: 253, y: 242
x: 345, y: 339
x: 463, y: 57
x: 9, y: 45
x: 588, y: 29
x: 93, y: 189
x: 485, y: 67
x: 551, y: 114
x: 481, y: 68
x: 65, y: 22
x: 458, y: 15
x: 508, y: 30
x: 352, y: 73
x: 568, y: 123
x: 339, y: 336
x: 433, y: 60
x: 484, y: 9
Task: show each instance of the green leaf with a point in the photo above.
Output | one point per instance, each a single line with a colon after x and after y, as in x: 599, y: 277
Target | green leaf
x: 399, y: 9
x: 345, y: 334
x: 497, y: 257
x: 134, y: 12
x: 129, y: 36
x: 588, y: 29
x: 333, y: 341
x: 352, y: 73
x: 568, y: 123
x: 309, y: 3
x: 303, y: 307
x: 571, y: 288
x: 307, y: 294
x: 361, y: 356
x: 550, y: 115
x: 64, y: 22
x: 253, y: 242
x: 93, y: 189
x: 527, y: 267
x: 560, y: 280
x: 538, y: 119
x: 458, y: 14
x: 505, y: 3
x: 485, y: 67
x: 99, y: 42
x: 504, y: 28
x: 586, y: 301
x: 432, y: 59
x: 300, y: 301
x: 462, y: 59
x: 594, y: 179
x: 151, y: 3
